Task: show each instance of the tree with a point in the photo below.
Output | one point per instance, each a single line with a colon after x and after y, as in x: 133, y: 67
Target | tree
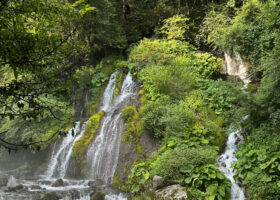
x: 38, y: 48
x: 175, y: 27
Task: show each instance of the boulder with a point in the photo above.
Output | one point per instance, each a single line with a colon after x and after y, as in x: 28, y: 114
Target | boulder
x: 45, y: 182
x: 58, y: 183
x: 35, y: 187
x: 157, y: 182
x: 49, y: 196
x: 175, y: 192
x: 14, y: 188
x: 3, y: 179
x: 99, y: 195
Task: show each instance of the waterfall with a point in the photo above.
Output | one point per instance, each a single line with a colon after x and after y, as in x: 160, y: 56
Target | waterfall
x: 108, y: 93
x: 103, y: 153
x: 61, y: 155
x: 227, y: 159
x: 234, y: 65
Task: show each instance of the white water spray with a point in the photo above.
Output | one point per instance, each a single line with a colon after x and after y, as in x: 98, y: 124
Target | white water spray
x: 234, y: 65
x: 103, y: 153
x: 60, y: 157
x: 227, y: 159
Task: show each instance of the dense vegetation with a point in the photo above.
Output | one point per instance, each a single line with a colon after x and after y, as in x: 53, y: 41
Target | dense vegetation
x: 56, y: 59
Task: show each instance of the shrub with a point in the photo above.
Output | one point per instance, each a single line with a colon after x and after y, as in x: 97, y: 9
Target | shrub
x: 172, y: 80
x: 158, y: 51
x: 169, y: 164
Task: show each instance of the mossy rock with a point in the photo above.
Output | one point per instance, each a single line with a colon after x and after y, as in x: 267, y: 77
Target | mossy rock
x: 81, y: 145
x: 99, y: 195
x: 49, y: 196
x: 118, y: 84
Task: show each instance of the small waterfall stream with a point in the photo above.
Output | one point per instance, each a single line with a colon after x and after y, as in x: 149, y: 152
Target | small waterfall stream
x: 234, y: 65
x: 227, y: 159
x: 103, y: 153
x: 61, y: 155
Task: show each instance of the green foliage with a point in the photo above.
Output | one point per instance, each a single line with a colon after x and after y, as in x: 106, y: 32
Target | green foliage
x: 207, y: 182
x: 38, y: 37
x: 169, y: 164
x: 81, y: 145
x: 43, y: 130
x: 174, y: 28
x: 166, y: 119
x: 253, y: 31
x: 133, y: 128
x: 138, y: 177
x: 222, y: 96
x: 158, y: 51
x: 173, y: 80
x: 177, y: 56
x: 186, y: 111
x: 258, y: 163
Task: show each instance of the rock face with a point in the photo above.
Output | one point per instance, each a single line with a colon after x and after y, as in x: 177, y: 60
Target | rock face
x: 58, y: 183
x: 157, y: 182
x: 3, y: 179
x: 176, y: 192
x: 100, y: 195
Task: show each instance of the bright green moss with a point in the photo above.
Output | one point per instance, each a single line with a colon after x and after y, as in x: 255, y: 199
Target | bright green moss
x: 69, y: 125
x: 81, y: 145
x: 132, y: 124
x: 118, y: 84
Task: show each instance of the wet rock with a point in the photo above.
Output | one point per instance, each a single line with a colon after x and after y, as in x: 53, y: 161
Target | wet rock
x: 175, y: 192
x: 237, y: 142
x: 58, y: 183
x: 99, y: 195
x: 14, y: 188
x: 157, y: 182
x: 49, y: 196
x: 3, y: 179
x: 35, y: 187
x: 45, y: 182
x: 95, y: 183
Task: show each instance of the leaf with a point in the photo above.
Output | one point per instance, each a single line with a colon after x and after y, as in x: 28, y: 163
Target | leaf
x: 212, y: 197
x: 188, y: 180
x: 204, y: 141
x: 220, y: 176
x: 212, y: 189
x: 278, y: 184
x: 187, y: 169
x: 222, y: 191
x: 146, y: 174
x: 266, y: 178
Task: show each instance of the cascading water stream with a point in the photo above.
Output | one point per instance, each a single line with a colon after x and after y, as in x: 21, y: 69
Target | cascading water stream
x: 234, y: 65
x: 227, y: 159
x: 103, y: 153
x: 60, y: 157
